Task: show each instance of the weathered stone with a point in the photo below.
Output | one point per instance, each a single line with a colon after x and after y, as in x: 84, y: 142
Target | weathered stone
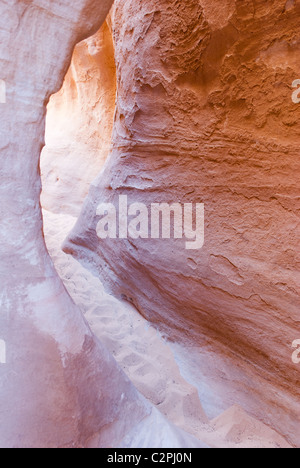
x: 58, y: 385
x: 205, y: 114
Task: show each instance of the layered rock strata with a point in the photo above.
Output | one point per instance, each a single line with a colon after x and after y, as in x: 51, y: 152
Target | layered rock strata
x: 204, y: 115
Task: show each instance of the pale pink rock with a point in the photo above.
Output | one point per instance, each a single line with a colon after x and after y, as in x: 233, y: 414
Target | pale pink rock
x: 59, y: 386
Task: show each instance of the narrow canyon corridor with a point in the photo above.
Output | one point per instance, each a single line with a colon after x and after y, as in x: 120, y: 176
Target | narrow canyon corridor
x: 149, y: 253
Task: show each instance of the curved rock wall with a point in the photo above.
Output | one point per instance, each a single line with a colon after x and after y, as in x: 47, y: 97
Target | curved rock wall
x: 204, y: 114
x: 59, y: 387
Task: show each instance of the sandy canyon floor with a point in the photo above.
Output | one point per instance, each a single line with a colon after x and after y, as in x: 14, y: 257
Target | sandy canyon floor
x: 178, y: 381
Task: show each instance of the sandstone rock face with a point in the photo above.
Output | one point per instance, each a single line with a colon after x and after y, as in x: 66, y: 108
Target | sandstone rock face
x: 58, y: 385
x: 204, y: 114
x: 79, y: 125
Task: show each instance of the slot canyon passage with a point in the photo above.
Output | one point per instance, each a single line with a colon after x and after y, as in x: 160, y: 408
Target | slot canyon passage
x: 141, y: 342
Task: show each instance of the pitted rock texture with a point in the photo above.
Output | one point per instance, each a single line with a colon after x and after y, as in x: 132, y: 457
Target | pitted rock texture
x: 204, y: 114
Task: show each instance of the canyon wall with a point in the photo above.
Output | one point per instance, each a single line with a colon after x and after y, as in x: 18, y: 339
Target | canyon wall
x: 204, y: 115
x: 79, y: 125
x: 59, y: 387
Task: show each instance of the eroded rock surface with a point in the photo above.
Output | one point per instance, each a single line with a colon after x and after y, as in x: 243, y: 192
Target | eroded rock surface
x: 204, y: 114
x: 59, y: 387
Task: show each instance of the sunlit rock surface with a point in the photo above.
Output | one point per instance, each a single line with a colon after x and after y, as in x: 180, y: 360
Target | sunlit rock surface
x: 79, y: 125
